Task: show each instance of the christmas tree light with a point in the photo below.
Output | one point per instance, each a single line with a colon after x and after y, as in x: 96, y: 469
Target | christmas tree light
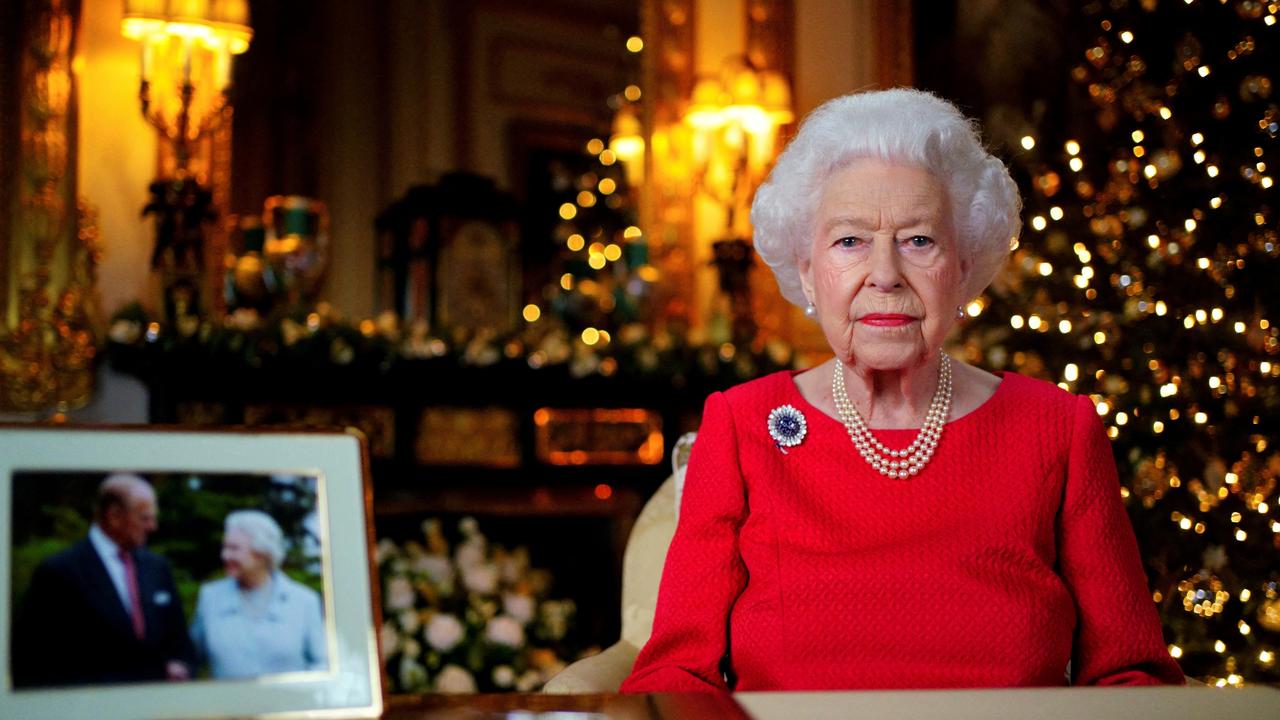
x: 1144, y: 278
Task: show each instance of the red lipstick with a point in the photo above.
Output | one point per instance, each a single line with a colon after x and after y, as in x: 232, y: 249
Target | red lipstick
x: 886, y: 319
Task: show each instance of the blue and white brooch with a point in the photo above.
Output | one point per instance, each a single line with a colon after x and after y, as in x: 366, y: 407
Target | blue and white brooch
x: 787, y: 427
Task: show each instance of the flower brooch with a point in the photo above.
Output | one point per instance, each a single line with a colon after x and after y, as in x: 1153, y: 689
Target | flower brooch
x: 787, y: 427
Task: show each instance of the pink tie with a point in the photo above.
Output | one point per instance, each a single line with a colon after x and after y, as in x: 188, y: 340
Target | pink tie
x: 135, y: 600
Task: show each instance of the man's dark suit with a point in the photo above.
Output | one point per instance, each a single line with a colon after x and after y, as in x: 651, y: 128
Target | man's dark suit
x: 73, y: 628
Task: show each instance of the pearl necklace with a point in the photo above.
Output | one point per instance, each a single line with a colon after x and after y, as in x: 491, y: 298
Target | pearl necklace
x: 896, y: 463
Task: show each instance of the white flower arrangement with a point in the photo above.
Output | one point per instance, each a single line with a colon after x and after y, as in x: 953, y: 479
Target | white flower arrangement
x: 469, y: 618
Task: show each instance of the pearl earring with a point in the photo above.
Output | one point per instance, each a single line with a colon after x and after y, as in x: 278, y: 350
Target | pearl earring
x: 810, y: 311
x: 959, y: 312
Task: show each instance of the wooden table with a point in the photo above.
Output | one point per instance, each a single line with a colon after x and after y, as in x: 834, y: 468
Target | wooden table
x: 1090, y: 703
x: 1252, y: 703
x: 573, y: 707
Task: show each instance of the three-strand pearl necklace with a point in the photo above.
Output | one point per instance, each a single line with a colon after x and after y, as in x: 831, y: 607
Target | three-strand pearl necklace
x: 896, y: 463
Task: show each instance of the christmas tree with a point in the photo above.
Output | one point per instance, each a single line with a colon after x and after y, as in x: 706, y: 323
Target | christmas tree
x: 1144, y: 279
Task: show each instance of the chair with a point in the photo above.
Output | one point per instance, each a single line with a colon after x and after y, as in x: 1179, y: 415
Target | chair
x: 641, y: 572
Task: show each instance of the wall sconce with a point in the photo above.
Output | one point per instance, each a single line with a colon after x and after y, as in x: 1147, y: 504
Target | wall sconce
x: 186, y: 55
x: 735, y: 118
x: 626, y: 140
x: 187, y: 51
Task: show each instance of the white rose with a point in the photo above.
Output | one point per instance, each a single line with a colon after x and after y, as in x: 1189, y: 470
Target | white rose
x: 518, y: 606
x: 436, y: 567
x: 505, y: 630
x: 400, y: 594
x: 528, y: 681
x: 504, y: 676
x: 444, y: 632
x: 386, y: 549
x: 389, y: 639
x: 409, y: 621
x: 470, y: 553
x: 482, y: 579
x: 410, y: 647
x: 469, y: 526
x: 453, y: 679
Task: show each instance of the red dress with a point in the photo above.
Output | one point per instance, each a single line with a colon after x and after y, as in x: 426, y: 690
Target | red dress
x: 1007, y: 557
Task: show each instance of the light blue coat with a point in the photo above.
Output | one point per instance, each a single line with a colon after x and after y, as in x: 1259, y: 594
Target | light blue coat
x: 288, y: 637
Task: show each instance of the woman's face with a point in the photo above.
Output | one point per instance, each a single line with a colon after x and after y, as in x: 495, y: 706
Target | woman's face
x: 885, y: 273
x: 240, y: 561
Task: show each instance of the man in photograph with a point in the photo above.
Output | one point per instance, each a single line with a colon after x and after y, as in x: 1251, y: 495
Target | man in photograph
x: 106, y: 609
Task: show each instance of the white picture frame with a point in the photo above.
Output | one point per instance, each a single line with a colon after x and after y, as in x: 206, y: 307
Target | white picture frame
x: 351, y: 686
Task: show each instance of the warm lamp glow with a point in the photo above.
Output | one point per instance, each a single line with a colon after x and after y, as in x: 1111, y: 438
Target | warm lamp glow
x: 627, y: 143
x: 185, y: 65
x: 708, y: 99
x: 776, y: 98
x: 216, y: 24
x: 734, y: 117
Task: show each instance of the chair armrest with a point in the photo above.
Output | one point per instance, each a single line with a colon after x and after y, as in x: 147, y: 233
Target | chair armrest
x: 601, y: 673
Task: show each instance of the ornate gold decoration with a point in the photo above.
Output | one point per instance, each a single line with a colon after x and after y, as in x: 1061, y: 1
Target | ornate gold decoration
x: 376, y: 422
x: 46, y: 334
x: 771, y: 35
x: 488, y: 437
x: 598, y: 436
x: 667, y: 207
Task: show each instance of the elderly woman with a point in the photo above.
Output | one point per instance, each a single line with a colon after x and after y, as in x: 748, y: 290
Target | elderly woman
x: 256, y: 620
x: 895, y: 518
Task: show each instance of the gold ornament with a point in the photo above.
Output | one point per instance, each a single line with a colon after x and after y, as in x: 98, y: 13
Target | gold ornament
x: 1187, y: 51
x: 1221, y: 108
x: 1269, y: 614
x: 1255, y: 87
x: 1250, y: 9
x: 1151, y: 480
x: 1252, y: 480
x: 1203, y: 594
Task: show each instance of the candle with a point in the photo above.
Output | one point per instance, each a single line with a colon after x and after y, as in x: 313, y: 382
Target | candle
x: 148, y: 54
x: 221, y: 69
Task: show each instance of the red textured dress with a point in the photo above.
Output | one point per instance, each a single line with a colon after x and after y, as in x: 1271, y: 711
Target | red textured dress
x: 1009, y: 556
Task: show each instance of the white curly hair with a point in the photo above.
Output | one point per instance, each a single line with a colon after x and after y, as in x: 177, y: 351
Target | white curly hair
x: 900, y: 125
x: 265, y: 536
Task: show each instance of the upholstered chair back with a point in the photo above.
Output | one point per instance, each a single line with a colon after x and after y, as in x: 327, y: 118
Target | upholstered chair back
x: 641, y: 573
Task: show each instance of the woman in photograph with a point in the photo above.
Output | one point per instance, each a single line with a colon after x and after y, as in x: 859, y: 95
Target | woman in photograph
x: 257, y: 621
x: 893, y: 517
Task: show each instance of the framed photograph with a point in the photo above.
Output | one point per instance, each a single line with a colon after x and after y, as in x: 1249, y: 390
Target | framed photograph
x: 154, y: 573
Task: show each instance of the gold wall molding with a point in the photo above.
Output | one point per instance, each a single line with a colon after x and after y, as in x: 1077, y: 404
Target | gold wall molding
x: 669, y: 64
x: 48, y: 310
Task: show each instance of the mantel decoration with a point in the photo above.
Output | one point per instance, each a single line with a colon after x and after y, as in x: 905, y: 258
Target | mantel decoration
x: 319, y: 338
x: 280, y: 257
